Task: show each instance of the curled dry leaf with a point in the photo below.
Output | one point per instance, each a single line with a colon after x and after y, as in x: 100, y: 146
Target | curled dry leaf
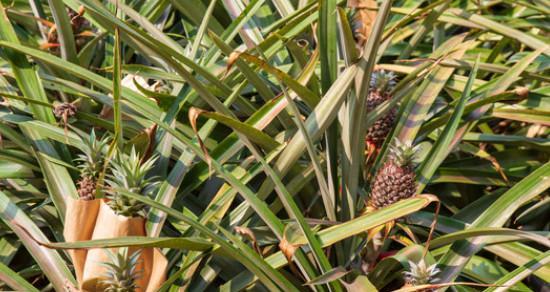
x: 247, y: 232
x: 81, y: 10
x: 522, y: 91
x: 288, y: 249
x: 46, y: 46
x: 194, y: 114
x: 494, y: 162
x: 363, y: 20
x: 231, y: 59
x: 86, y: 33
x: 288, y: 246
x: 144, y: 142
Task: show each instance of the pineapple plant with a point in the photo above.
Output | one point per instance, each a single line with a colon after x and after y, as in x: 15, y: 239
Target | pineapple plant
x: 122, y: 273
x: 90, y: 164
x: 396, y: 179
x: 421, y: 274
x: 129, y: 173
x: 381, y: 84
x: 299, y: 70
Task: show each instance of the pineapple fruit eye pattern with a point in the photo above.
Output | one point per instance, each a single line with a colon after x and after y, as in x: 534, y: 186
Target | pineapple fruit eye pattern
x: 396, y: 179
x: 277, y: 145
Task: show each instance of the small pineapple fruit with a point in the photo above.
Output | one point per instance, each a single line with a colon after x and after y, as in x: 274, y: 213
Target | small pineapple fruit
x: 381, y: 84
x: 121, y: 273
x: 421, y: 274
x: 396, y: 179
x: 130, y: 174
x: 91, y: 163
x: 65, y: 110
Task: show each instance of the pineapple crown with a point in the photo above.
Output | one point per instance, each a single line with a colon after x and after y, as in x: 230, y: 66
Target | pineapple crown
x: 382, y: 81
x: 92, y: 160
x: 421, y: 273
x: 403, y: 154
x: 122, y: 274
x: 129, y: 173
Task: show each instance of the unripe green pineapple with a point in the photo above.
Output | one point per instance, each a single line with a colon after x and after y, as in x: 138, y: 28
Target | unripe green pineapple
x: 130, y: 174
x: 396, y: 179
x: 91, y: 163
x: 421, y: 274
x: 121, y: 273
x: 381, y: 84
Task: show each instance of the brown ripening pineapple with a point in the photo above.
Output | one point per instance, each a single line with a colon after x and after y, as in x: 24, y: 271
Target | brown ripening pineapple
x: 381, y: 84
x: 396, y: 179
x: 91, y: 163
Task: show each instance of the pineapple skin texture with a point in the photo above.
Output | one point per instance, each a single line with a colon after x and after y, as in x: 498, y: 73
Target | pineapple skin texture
x: 378, y: 132
x: 86, y: 188
x: 392, y: 184
x: 381, y: 85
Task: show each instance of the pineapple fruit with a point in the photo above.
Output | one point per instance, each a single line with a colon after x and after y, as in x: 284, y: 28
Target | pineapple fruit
x: 381, y: 84
x: 396, y: 179
x: 81, y: 214
x: 421, y: 274
x: 91, y: 163
x: 130, y: 174
x: 65, y: 110
x: 122, y: 273
x: 121, y: 216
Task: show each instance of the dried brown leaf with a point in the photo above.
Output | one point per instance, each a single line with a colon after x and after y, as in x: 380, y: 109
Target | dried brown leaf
x: 231, y: 59
x: 248, y: 233
x: 194, y: 114
x: 363, y: 20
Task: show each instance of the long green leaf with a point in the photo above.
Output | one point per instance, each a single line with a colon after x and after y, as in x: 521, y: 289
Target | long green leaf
x: 137, y: 241
x: 440, y: 149
x: 520, y: 273
x: 64, y: 30
x: 49, y: 261
x: 354, y: 128
x: 334, y: 234
x: 494, y: 216
x: 245, y: 259
x: 14, y: 280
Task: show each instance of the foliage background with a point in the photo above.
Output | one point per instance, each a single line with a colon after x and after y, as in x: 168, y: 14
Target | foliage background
x: 282, y: 127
